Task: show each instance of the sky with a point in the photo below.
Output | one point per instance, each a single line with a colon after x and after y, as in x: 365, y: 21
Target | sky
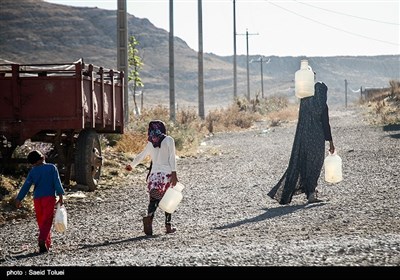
x: 277, y: 27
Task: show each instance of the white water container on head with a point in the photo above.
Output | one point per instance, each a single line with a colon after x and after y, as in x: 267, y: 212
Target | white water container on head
x: 171, y: 198
x: 304, y: 80
x: 333, y: 168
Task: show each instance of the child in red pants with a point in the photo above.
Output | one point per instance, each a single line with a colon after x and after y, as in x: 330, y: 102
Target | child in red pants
x: 47, y: 183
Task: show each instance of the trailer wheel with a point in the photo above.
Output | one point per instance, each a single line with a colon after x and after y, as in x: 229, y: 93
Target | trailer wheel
x: 88, y: 159
x: 5, y: 159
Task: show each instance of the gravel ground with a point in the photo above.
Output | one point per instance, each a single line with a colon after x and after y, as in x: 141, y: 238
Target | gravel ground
x: 226, y: 218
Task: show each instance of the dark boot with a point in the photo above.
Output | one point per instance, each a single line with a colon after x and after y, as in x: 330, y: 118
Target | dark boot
x: 169, y: 228
x: 147, y: 225
x: 42, y: 247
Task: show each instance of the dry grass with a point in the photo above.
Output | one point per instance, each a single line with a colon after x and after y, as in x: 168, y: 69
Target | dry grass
x: 384, y: 104
x: 9, y: 187
x: 288, y: 114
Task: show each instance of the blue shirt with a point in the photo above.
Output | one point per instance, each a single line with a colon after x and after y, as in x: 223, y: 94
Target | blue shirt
x: 46, y: 179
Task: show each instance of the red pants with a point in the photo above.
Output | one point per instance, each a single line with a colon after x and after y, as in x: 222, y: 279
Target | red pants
x: 44, y: 208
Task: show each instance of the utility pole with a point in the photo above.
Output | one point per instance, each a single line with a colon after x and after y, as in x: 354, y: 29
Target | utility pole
x: 361, y: 94
x: 345, y: 93
x: 260, y: 60
x: 200, y: 58
x: 247, y: 62
x: 122, y: 54
x: 171, y: 63
x: 234, y: 52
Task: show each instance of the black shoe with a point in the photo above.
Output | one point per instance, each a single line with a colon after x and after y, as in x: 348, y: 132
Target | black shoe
x: 42, y: 247
x: 312, y: 198
x: 315, y: 200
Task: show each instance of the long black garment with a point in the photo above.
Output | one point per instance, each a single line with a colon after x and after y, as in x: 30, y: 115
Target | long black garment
x: 308, y: 151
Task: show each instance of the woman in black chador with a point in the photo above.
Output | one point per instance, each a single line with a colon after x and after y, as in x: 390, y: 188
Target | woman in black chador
x: 308, y: 151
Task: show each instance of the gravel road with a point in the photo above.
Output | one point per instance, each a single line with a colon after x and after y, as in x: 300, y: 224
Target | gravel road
x: 226, y: 218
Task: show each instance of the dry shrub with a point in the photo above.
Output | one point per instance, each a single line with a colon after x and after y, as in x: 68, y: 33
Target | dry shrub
x: 131, y: 142
x: 384, y: 104
x: 243, y: 113
x: 230, y: 119
x: 140, y: 123
x: 9, y: 187
x: 288, y: 114
x: 187, y: 117
x: 272, y: 104
x: 188, y: 131
x: 376, y: 95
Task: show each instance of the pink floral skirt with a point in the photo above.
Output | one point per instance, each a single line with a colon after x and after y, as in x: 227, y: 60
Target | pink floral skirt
x: 158, y: 183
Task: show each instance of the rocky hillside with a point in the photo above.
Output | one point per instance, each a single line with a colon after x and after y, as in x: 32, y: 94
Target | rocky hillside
x: 34, y: 31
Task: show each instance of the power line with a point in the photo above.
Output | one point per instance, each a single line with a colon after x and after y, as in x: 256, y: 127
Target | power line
x: 333, y: 27
x: 353, y: 16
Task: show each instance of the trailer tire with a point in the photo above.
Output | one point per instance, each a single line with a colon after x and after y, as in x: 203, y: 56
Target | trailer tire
x: 88, y: 159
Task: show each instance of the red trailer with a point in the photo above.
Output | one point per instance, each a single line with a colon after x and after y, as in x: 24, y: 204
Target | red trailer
x: 67, y: 105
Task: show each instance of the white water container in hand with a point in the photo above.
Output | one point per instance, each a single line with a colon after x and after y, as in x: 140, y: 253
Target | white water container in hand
x: 333, y: 168
x: 171, y: 198
x: 60, y: 220
x: 304, y: 80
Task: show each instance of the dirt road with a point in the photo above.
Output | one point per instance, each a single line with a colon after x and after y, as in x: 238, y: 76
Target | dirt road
x: 225, y: 217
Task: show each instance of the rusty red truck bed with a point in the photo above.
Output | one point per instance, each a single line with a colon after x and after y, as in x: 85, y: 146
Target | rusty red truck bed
x: 45, y: 98
x: 55, y: 103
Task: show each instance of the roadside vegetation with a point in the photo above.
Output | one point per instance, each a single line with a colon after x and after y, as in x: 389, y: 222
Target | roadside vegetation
x: 383, y: 104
